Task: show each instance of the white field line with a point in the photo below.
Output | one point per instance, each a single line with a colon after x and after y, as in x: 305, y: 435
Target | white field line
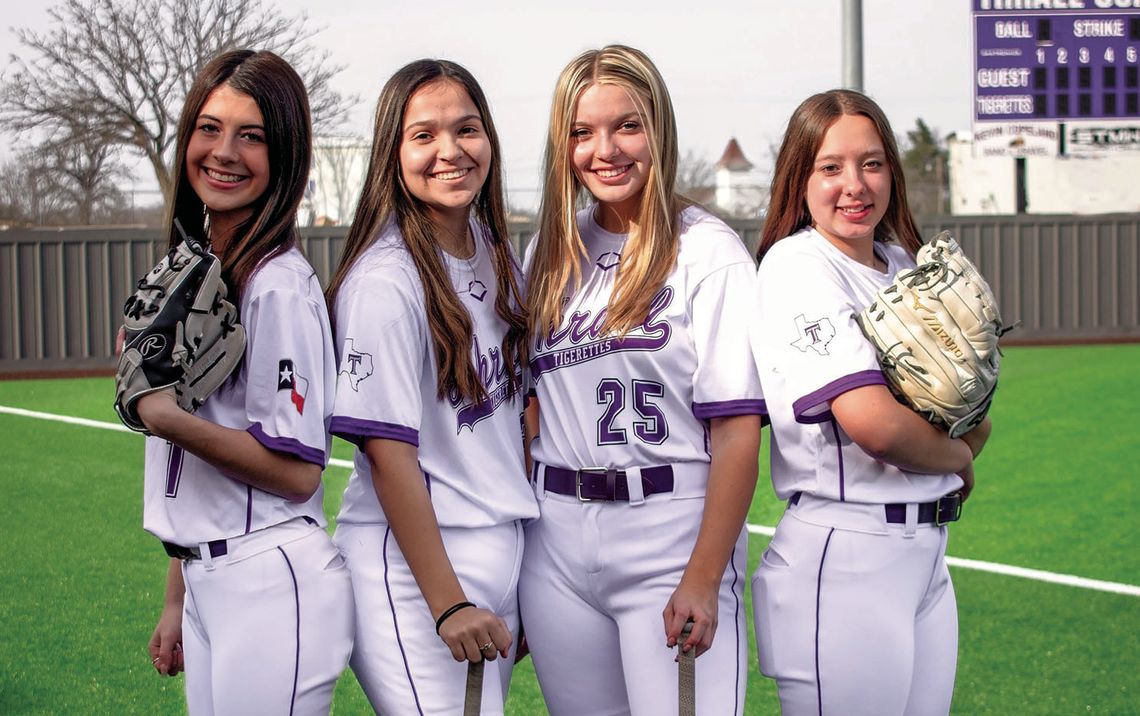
x: 978, y: 565
x: 1008, y: 570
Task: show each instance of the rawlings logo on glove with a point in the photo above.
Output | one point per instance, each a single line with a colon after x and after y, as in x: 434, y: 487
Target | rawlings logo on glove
x: 180, y: 332
x: 936, y: 330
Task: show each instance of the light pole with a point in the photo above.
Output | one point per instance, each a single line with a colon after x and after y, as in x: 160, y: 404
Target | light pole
x: 853, y: 44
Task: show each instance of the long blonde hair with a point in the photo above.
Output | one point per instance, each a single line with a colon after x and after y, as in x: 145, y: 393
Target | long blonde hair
x: 651, y: 250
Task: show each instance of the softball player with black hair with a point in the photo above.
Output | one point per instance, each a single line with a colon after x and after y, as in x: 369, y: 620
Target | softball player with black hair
x: 647, y: 410
x: 258, y: 602
x: 430, y: 325
x: 854, y: 609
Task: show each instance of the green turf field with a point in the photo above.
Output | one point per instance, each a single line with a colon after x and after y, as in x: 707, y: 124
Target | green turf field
x: 81, y: 583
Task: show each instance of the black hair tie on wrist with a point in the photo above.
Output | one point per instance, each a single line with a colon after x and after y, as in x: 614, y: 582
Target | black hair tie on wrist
x: 450, y: 610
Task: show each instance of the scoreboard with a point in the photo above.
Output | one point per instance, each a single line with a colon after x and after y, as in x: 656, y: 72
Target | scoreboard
x: 1056, y: 60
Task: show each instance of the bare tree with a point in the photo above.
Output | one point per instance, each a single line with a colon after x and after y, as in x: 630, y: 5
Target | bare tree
x: 926, y: 162
x: 122, y: 68
x: 693, y: 172
x: 63, y: 181
x: 339, y: 166
x: 29, y: 192
x: 86, y: 169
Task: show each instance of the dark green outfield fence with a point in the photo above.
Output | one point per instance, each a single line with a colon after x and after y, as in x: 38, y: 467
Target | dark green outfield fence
x: 1066, y: 278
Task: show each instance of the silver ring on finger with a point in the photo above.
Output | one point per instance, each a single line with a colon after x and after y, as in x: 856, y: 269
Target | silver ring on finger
x: 488, y: 645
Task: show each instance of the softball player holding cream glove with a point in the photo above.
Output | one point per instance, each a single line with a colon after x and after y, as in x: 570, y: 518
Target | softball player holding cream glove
x: 428, y: 317
x: 647, y: 409
x: 258, y: 601
x: 854, y: 609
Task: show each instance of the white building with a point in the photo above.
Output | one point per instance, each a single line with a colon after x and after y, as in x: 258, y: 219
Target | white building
x: 335, y: 180
x: 984, y: 173
x: 739, y: 187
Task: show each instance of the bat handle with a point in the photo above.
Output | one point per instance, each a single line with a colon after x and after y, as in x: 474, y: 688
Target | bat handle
x: 686, y: 674
x: 473, y: 698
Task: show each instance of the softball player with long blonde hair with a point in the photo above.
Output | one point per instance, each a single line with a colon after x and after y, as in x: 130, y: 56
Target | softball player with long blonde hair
x: 647, y: 409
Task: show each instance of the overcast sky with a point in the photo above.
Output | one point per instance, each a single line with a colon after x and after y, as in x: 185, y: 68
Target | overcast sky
x: 735, y: 68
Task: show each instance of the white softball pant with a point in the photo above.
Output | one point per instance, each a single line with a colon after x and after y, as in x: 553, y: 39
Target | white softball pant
x: 595, y: 579
x: 854, y: 617
x: 267, y: 628
x: 402, y: 665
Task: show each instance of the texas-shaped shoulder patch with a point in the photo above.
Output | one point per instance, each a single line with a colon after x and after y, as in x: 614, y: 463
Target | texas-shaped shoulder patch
x: 355, y: 365
x: 813, y: 334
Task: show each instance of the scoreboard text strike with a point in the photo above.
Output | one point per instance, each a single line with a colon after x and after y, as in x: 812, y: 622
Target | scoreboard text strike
x: 1060, y: 60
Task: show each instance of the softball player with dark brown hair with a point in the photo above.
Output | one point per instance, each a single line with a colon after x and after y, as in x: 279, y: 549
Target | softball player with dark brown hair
x: 430, y: 325
x: 258, y: 601
x: 854, y: 609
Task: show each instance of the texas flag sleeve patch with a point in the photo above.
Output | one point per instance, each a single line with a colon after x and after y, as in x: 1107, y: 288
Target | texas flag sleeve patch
x: 297, y: 385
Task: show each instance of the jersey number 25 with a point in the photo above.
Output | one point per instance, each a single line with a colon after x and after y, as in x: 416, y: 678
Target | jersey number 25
x: 652, y: 428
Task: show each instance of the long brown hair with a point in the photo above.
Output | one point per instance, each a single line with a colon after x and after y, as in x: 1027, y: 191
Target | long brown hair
x: 385, y: 197
x: 651, y: 250
x: 787, y: 209
x: 280, y: 95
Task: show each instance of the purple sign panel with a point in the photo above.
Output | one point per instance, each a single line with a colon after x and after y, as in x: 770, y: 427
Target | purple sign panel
x: 1056, y: 60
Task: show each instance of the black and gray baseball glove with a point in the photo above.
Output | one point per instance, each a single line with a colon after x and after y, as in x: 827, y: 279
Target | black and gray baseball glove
x: 180, y: 332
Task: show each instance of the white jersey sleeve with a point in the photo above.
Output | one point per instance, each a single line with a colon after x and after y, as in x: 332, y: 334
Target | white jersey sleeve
x: 286, y: 403
x: 809, y: 350
x: 817, y: 346
x: 382, y: 335
x: 281, y: 395
x: 725, y: 371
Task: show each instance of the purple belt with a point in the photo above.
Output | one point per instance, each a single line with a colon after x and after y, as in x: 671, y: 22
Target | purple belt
x: 217, y: 549
x: 947, y: 508
x: 602, y: 484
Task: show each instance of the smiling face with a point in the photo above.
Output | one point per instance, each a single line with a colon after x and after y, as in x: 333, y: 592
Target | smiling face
x: 445, y: 153
x: 227, y: 159
x: 610, y: 153
x: 849, y: 188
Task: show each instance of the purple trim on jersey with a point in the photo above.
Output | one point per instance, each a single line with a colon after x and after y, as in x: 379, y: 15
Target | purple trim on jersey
x: 839, y: 455
x: 818, y: 596
x: 287, y: 445
x: 248, y: 508
x: 297, y: 657
x: 357, y: 430
x: 173, y: 469
x: 396, y: 624
x: 583, y: 353
x: 802, y: 408
x: 729, y: 408
x: 471, y: 413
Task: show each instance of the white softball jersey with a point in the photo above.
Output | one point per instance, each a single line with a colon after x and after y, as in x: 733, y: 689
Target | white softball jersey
x: 597, y: 575
x: 810, y: 350
x: 471, y: 453
x: 282, y: 396
x: 649, y: 394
